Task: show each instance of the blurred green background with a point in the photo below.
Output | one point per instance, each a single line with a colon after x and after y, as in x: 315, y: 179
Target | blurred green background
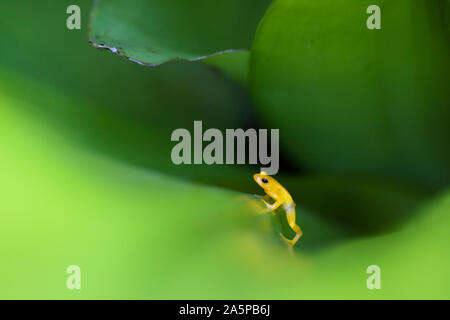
x: 86, y: 177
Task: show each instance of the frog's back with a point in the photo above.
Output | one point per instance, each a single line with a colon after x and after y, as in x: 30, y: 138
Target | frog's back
x: 283, y: 195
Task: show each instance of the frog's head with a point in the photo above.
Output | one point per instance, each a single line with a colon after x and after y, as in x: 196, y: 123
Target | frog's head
x: 263, y: 179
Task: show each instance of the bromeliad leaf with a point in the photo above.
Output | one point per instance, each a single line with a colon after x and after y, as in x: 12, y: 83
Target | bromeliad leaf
x: 157, y: 31
x: 350, y: 100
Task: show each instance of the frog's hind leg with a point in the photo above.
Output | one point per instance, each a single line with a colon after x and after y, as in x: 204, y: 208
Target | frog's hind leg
x: 290, y: 215
x: 294, y: 240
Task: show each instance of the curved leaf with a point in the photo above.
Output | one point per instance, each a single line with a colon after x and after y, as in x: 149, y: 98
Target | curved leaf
x: 156, y: 31
x: 117, y: 109
x: 352, y: 100
x: 138, y: 235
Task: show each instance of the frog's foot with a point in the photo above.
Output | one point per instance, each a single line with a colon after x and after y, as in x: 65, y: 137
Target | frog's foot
x: 293, y: 241
x: 269, y: 210
x: 268, y: 206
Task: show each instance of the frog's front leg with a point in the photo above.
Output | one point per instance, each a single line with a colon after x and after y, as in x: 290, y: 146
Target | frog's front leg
x: 270, y: 206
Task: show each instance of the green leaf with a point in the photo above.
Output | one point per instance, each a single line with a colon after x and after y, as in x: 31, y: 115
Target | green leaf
x: 447, y: 14
x: 234, y: 65
x: 157, y: 31
x: 360, y: 206
x: 353, y: 206
x: 413, y: 261
x: 115, y: 108
x: 83, y: 139
x: 352, y: 100
x: 137, y: 234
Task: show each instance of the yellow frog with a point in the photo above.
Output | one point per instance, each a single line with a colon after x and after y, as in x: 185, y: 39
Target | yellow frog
x: 274, y: 190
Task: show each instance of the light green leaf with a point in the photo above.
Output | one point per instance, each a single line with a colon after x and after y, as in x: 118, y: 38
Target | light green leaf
x: 136, y: 234
x: 83, y: 141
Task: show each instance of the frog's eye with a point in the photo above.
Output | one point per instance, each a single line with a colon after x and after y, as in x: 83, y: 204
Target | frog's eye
x: 264, y: 180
